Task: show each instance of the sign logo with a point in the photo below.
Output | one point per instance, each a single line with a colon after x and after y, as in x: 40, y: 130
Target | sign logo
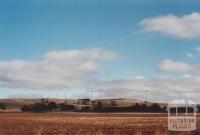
x: 182, y: 115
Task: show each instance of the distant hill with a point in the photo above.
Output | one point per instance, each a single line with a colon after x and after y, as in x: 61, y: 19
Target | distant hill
x: 15, y: 104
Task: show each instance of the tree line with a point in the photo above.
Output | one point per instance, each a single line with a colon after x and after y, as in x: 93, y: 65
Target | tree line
x: 134, y: 108
x: 2, y: 106
x: 44, y: 106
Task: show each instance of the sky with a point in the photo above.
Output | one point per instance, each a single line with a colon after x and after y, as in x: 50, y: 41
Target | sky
x: 113, y: 45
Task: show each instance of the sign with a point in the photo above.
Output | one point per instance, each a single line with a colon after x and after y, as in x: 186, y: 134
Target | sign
x: 182, y: 115
x: 182, y: 123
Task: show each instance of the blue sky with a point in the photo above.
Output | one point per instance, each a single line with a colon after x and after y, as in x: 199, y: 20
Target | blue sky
x: 29, y: 29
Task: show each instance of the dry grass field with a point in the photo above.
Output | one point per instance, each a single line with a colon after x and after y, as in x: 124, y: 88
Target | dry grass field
x: 85, y: 124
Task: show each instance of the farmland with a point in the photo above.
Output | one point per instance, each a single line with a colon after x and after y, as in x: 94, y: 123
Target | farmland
x: 86, y: 124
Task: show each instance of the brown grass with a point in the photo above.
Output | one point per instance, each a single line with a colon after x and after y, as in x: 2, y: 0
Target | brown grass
x: 85, y: 124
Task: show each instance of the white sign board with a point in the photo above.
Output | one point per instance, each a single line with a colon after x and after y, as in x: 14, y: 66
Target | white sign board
x: 182, y: 123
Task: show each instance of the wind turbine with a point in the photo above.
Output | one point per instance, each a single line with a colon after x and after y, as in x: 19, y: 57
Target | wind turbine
x: 65, y: 88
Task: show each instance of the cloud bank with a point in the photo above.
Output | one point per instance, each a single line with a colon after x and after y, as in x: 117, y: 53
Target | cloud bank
x: 160, y: 89
x: 185, y: 27
x: 54, y: 69
x: 177, y: 66
x: 79, y: 67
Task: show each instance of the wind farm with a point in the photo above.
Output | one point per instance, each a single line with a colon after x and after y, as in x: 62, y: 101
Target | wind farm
x: 99, y: 67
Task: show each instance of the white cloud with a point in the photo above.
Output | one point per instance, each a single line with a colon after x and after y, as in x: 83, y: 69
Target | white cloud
x: 187, y: 26
x: 27, y: 96
x: 177, y: 66
x: 79, y: 67
x: 54, y: 69
x: 190, y: 55
x: 187, y: 75
x: 92, y: 54
x: 139, y: 77
x: 161, y: 89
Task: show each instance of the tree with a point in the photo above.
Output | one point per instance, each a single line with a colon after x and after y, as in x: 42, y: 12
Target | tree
x: 2, y: 106
x: 25, y: 108
x: 155, y: 108
x: 85, y: 109
x: 65, y: 107
x: 62, y: 106
x: 144, y: 108
x: 98, y: 107
x: 39, y: 107
x: 135, y: 108
x: 51, y: 106
x: 198, y: 108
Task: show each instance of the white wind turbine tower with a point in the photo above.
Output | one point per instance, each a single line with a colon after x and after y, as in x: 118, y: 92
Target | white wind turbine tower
x: 147, y: 94
x: 100, y: 90
x: 66, y: 87
x: 93, y: 87
x: 124, y: 93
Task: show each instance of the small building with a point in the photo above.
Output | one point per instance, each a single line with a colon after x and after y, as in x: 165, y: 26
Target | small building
x: 85, y: 101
